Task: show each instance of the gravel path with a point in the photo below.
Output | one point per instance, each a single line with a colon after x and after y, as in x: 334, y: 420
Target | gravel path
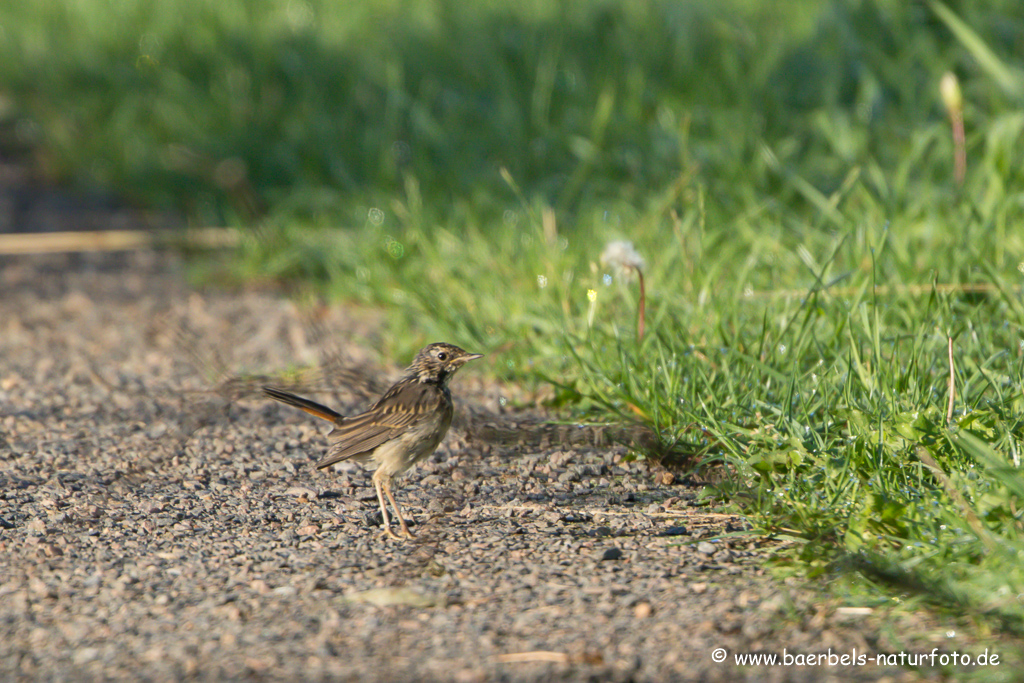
x: 150, y: 529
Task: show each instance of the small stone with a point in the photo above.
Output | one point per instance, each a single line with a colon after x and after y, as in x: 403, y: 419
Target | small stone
x: 706, y: 548
x: 51, y: 550
x: 642, y: 610
x: 611, y: 554
x: 568, y: 476
x: 674, y: 531
x: 574, y: 518
x: 40, y: 589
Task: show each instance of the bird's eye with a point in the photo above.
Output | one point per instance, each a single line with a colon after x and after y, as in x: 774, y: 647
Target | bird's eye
x: 441, y: 355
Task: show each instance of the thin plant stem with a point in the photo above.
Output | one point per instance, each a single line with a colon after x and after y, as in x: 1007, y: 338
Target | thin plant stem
x: 959, y: 147
x: 952, y: 384
x: 642, y: 308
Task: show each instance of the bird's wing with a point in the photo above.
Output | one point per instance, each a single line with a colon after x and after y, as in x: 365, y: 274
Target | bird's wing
x: 396, y: 411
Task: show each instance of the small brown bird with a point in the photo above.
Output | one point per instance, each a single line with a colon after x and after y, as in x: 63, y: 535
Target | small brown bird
x: 403, y: 427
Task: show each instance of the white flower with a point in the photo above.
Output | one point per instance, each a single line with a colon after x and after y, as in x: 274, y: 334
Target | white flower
x: 622, y: 257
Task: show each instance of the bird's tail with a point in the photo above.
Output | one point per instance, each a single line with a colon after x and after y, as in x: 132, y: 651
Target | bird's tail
x: 311, y: 407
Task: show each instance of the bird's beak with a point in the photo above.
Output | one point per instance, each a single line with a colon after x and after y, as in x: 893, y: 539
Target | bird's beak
x: 472, y: 356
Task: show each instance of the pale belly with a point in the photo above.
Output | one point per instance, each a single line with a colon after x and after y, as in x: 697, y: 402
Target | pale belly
x: 398, y: 455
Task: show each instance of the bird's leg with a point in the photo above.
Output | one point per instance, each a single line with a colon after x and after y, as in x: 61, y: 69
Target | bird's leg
x: 394, y: 504
x: 377, y: 484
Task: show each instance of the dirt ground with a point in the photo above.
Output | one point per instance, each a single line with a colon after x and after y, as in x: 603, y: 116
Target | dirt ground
x: 160, y: 521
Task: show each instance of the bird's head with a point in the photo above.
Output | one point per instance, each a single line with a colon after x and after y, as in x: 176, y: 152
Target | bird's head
x: 438, y: 362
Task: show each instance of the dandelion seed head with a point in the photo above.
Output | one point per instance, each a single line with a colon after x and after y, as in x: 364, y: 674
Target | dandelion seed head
x: 621, y: 256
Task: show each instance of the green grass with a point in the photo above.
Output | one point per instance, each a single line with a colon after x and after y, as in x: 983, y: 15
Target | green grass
x: 786, y: 175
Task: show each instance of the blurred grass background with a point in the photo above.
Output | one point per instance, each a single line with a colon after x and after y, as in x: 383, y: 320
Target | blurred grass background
x: 785, y: 170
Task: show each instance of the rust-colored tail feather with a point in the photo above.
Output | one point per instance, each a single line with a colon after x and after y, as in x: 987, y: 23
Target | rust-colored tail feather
x: 311, y: 407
